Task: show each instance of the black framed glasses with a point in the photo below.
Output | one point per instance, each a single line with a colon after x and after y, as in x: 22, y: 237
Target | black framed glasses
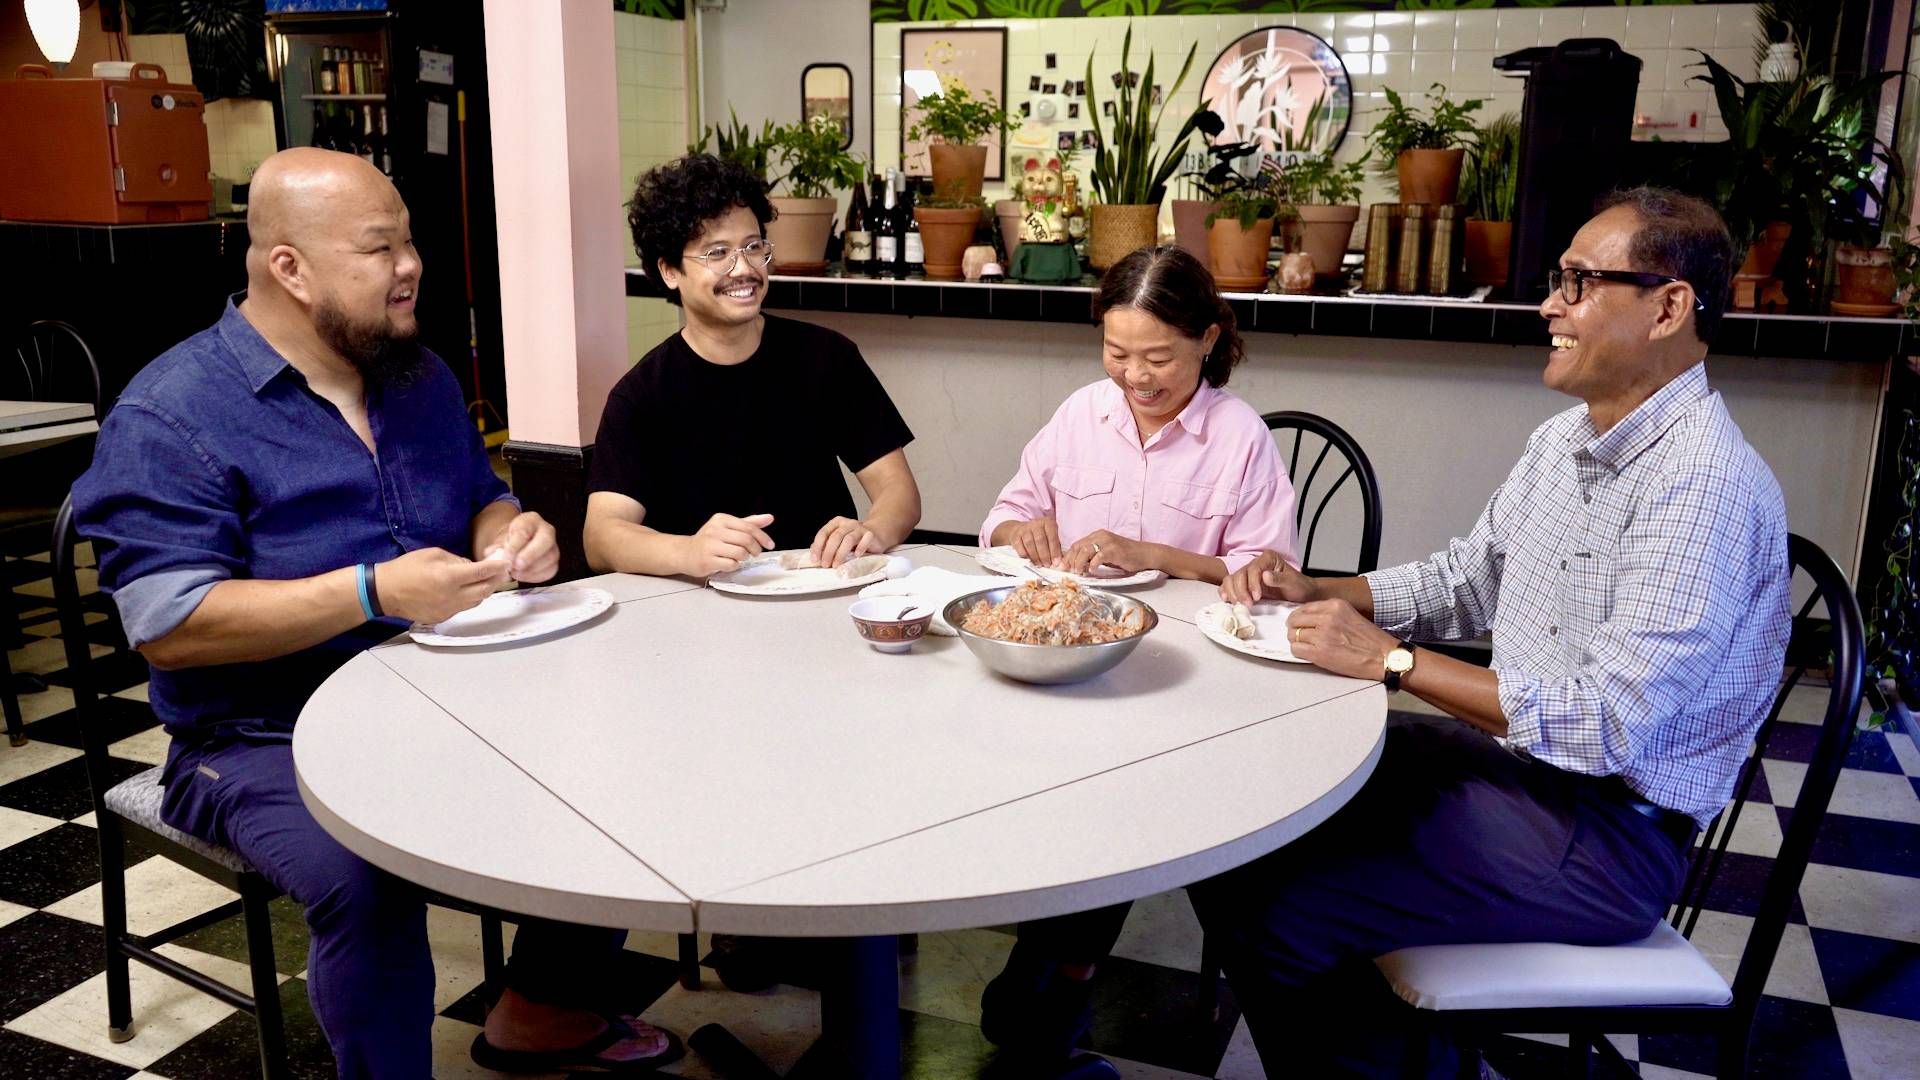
x: 757, y: 252
x: 1571, y: 282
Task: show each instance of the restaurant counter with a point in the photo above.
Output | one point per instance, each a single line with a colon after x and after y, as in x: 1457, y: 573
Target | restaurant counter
x: 1441, y: 395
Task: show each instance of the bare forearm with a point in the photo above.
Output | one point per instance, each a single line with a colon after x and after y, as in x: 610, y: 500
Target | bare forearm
x: 1185, y: 564
x: 892, y: 517
x: 1463, y: 690
x: 624, y: 547
x: 1354, y: 590
x: 239, y: 621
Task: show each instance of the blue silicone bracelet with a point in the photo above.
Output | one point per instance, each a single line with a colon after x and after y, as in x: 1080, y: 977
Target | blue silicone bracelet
x: 360, y: 580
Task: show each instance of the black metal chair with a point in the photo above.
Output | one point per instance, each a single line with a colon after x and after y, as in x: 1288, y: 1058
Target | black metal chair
x: 131, y: 808
x: 1308, y: 431
x: 1663, y: 984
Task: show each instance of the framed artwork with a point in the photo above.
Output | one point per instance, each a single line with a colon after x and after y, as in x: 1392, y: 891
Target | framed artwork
x: 1280, y: 86
x: 930, y: 59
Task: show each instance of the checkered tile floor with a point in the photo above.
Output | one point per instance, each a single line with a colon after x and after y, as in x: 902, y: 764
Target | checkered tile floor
x: 1844, y: 999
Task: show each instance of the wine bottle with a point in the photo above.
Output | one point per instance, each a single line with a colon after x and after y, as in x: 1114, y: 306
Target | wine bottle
x: 364, y: 144
x: 915, y: 250
x: 858, y: 240
x: 383, y: 149
x: 327, y: 83
x: 887, y: 260
x: 342, y: 71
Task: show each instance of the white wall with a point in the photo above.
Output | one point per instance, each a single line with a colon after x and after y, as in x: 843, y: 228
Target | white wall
x: 754, y: 51
x: 1407, y: 51
x: 650, y: 67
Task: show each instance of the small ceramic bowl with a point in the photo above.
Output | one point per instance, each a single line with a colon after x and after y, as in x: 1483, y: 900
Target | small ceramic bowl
x: 878, y: 621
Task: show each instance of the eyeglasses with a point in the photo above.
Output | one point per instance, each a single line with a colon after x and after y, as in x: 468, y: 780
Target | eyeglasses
x: 758, y: 253
x: 1571, y: 282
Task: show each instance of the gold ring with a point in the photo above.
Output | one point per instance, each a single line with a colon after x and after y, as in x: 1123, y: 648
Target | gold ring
x: 1296, y: 634
x: 1096, y: 549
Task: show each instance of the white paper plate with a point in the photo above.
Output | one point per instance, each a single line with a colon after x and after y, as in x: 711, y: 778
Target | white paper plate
x: 763, y: 575
x: 1269, y: 640
x: 517, y: 616
x: 1002, y: 560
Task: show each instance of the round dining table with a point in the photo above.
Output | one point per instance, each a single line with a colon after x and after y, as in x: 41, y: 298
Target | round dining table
x: 697, y: 761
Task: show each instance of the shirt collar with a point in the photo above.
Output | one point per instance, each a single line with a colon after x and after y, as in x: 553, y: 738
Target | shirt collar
x: 260, y: 361
x: 1643, y: 427
x: 1193, y: 417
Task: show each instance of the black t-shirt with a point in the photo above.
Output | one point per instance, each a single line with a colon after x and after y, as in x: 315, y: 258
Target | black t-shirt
x: 688, y: 439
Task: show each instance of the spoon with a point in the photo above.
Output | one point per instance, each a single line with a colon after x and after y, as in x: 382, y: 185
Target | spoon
x: 904, y: 610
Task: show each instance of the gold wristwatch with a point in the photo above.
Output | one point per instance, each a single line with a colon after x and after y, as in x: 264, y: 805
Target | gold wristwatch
x: 1399, y: 662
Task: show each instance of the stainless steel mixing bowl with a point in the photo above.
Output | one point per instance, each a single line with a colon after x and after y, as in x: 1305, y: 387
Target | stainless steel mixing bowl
x: 1048, y: 664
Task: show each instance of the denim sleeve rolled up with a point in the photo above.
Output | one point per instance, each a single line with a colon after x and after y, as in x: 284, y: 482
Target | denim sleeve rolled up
x: 219, y: 463
x: 1636, y: 585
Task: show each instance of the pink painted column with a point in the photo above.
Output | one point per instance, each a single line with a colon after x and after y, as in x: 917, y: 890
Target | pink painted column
x: 557, y: 187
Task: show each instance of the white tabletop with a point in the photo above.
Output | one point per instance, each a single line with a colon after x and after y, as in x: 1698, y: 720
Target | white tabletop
x: 30, y: 425
x: 750, y: 766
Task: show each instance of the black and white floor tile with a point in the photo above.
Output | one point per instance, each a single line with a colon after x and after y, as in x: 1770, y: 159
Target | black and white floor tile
x: 1843, y: 1000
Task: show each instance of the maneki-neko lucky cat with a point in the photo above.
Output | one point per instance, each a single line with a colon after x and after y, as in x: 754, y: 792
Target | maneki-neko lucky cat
x: 1043, y: 186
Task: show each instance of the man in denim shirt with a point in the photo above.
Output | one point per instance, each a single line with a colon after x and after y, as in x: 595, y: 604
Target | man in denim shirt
x: 274, y: 495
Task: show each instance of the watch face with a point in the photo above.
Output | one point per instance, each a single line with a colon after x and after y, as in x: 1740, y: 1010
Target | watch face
x: 1399, y: 660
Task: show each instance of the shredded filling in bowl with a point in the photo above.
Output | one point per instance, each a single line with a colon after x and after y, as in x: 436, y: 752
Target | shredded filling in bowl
x: 1062, y: 614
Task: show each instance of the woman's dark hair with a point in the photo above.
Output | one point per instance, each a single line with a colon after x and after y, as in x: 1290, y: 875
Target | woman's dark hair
x: 1176, y: 288
x: 671, y: 202
x: 1682, y: 237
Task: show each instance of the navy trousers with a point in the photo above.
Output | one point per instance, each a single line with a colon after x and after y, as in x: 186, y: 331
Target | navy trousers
x: 1452, y: 840
x: 369, y: 972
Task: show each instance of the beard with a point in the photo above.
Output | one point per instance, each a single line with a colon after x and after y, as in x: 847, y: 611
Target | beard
x: 383, y: 356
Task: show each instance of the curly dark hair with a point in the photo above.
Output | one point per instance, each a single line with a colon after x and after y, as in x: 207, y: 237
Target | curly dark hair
x: 671, y: 202
x: 1176, y: 288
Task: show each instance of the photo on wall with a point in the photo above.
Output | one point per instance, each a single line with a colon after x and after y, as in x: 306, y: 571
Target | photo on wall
x: 932, y: 59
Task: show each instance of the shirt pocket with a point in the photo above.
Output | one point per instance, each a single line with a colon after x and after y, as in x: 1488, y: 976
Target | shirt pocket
x: 1081, y: 489
x: 1586, y: 596
x: 1199, y: 502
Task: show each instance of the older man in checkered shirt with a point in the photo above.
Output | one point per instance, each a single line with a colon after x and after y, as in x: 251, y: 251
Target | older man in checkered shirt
x: 1633, y: 572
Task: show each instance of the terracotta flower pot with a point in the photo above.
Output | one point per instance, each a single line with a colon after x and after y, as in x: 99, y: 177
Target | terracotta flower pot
x: 1190, y: 226
x: 1116, y: 231
x: 1238, y: 256
x: 1764, y: 253
x: 1325, y: 233
x: 1430, y: 176
x: 958, y: 171
x: 946, y: 235
x: 1863, y: 277
x: 1009, y: 211
x: 799, y: 233
x: 1489, y: 252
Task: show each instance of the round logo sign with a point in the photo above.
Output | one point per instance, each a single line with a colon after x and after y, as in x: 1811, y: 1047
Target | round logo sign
x: 1283, y: 88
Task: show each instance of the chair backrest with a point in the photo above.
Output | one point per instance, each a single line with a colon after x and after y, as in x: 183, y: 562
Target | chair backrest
x: 1838, y: 642
x: 73, y: 636
x: 1320, y: 438
x: 50, y: 361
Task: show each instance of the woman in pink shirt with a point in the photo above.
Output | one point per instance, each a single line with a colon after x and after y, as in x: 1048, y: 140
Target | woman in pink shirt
x: 1154, y: 467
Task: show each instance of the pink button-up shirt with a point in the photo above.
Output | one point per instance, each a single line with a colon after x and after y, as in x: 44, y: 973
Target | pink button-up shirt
x: 1210, y: 482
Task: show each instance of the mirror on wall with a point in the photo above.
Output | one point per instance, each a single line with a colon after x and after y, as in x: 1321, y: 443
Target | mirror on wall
x: 827, y: 90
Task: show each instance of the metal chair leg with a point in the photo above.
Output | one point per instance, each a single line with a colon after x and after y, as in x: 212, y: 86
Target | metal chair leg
x: 690, y: 961
x: 493, y: 950
x: 10, y: 701
x: 1211, y: 972
x: 113, y: 922
x: 266, y: 984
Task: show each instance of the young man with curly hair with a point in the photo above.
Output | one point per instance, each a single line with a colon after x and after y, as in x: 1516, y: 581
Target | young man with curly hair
x: 727, y: 439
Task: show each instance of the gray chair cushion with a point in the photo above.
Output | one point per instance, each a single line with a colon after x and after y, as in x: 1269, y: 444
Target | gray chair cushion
x: 1662, y: 969
x: 137, y: 799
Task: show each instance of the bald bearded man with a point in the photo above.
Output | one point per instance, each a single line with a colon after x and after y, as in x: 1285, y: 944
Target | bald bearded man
x: 268, y: 498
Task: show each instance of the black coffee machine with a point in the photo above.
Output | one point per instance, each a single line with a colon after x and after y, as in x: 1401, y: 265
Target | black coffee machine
x: 1574, y: 131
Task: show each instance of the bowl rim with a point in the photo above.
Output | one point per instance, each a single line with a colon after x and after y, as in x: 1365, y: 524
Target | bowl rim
x: 953, y: 607
x: 926, y: 617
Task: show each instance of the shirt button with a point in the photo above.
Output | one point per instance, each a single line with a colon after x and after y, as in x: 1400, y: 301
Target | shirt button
x: 1586, y: 498
x: 1553, y: 631
x: 1563, y: 564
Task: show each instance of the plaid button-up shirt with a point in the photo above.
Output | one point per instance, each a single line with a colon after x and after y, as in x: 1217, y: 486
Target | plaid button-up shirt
x: 1637, y: 587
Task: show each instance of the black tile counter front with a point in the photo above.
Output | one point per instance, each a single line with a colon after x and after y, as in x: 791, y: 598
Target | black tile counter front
x: 1411, y: 319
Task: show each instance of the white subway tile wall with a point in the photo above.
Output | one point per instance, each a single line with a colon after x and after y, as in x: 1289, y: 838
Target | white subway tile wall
x: 240, y: 133
x: 650, y: 68
x: 1407, y: 51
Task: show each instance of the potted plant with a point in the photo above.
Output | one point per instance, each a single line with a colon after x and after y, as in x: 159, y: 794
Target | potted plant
x: 1129, y: 179
x: 1797, y: 156
x: 816, y: 167
x: 1425, y: 152
x: 947, y: 226
x: 1326, y: 201
x: 737, y: 143
x: 1240, y: 229
x: 1190, y: 216
x: 1487, y: 187
x: 960, y: 124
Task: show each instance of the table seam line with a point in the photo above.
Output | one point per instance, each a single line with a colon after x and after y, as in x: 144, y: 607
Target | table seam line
x: 1029, y: 795
x: 484, y: 741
